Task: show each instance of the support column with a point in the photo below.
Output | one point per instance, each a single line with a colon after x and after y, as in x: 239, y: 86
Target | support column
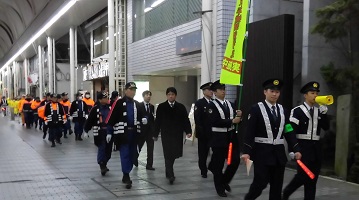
x: 206, y: 55
x: 9, y: 86
x: 26, y: 72
x: 54, y: 64
x: 50, y: 83
x: 213, y: 73
x: 72, y: 64
x: 76, y: 64
x: 41, y: 71
x: 111, y: 45
x: 15, y: 78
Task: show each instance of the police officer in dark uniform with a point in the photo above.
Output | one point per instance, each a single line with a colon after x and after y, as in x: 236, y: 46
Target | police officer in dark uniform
x: 97, y: 121
x: 268, y: 123
x: 28, y: 112
x: 79, y: 113
x: 55, y: 118
x: 307, y: 120
x: 222, y: 118
x: 203, y: 131
x: 125, y: 118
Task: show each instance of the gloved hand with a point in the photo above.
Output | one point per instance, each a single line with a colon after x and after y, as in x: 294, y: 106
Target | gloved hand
x: 323, y: 109
x: 86, y: 116
x: 144, y: 121
x: 108, y: 138
x: 70, y: 118
x: 46, y: 123
x: 65, y: 121
x: 86, y: 135
x: 155, y: 138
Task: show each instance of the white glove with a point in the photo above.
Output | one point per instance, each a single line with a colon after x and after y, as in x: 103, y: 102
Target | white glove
x: 86, y: 135
x: 323, y: 109
x: 108, y: 138
x: 65, y: 121
x: 86, y: 116
x: 154, y: 138
x: 70, y: 118
x: 46, y: 123
x: 144, y: 121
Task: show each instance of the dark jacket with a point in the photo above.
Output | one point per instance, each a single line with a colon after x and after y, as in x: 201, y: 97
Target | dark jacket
x: 268, y: 154
x: 203, y: 127
x: 54, y: 118
x: 310, y: 148
x: 117, y: 119
x: 172, y: 122
x: 78, y: 116
x: 97, y: 121
x: 148, y: 129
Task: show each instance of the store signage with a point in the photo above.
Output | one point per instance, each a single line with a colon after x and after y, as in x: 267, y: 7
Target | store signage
x: 95, y: 71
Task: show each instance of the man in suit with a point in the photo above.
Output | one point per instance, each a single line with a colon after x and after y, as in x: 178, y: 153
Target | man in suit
x: 203, y: 131
x: 222, y: 118
x: 307, y: 120
x: 268, y: 123
x: 147, y: 130
x: 172, y: 121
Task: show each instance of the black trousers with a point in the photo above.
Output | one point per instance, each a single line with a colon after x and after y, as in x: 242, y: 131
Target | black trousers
x: 169, y: 167
x: 147, y: 137
x: 264, y: 174
x: 301, y: 178
x: 203, y: 149
x: 217, y: 163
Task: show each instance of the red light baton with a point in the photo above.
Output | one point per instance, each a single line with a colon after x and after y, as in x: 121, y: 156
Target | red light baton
x: 306, y: 170
x: 229, y: 159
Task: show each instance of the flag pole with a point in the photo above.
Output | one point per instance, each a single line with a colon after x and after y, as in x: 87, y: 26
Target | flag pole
x: 244, y: 54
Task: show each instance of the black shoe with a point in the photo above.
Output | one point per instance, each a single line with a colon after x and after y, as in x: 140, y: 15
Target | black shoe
x: 204, y: 175
x: 59, y: 141
x: 40, y: 128
x: 150, y: 168
x: 44, y: 136
x: 70, y: 132
x: 79, y: 138
x: 222, y: 194
x: 35, y: 126
x: 172, y: 179
x: 103, y: 170
x: 227, y: 188
x: 65, y: 136
x: 53, y: 144
x: 285, y: 197
x: 107, y: 169
x: 135, y: 163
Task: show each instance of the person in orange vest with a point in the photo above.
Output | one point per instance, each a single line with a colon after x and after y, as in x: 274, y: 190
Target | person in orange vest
x: 66, y: 104
x: 43, y: 126
x: 27, y: 111
x: 22, y: 100
x: 34, y: 106
x: 79, y: 113
x: 89, y: 102
x: 41, y: 114
x: 55, y: 118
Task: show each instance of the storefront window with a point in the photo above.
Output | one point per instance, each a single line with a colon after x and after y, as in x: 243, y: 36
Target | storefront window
x: 154, y: 16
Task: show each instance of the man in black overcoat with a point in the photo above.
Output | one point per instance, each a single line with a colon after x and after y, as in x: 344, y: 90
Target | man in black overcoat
x: 172, y: 121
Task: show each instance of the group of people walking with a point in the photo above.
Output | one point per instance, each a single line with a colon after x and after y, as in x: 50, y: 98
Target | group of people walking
x: 125, y: 124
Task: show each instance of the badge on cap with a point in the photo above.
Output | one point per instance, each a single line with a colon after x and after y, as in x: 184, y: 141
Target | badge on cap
x: 249, y: 116
x: 315, y: 85
x: 275, y: 82
x: 210, y: 111
x: 132, y: 85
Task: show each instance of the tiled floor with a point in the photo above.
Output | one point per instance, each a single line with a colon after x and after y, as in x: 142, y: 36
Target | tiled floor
x: 30, y: 169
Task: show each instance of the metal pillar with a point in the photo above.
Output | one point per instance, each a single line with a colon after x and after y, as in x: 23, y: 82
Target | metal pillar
x: 213, y: 73
x: 41, y: 71
x: 76, y: 64
x: 54, y: 64
x: 26, y: 72
x: 206, y: 55
x: 50, y: 82
x: 14, y: 69
x: 72, y: 64
x: 111, y: 45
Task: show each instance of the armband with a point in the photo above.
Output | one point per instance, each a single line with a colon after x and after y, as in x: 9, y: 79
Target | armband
x: 288, y: 128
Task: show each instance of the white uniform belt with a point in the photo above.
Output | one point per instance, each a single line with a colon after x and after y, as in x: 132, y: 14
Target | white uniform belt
x: 218, y: 129
x: 307, y: 137
x: 268, y: 141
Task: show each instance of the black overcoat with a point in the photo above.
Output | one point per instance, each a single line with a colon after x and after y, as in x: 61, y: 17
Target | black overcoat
x: 172, y: 122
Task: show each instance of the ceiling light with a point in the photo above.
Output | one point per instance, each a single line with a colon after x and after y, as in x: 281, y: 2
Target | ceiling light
x: 147, y: 9
x: 156, y: 3
x: 41, y: 31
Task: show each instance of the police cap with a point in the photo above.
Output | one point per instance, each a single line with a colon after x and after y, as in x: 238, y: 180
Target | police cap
x: 64, y: 94
x: 130, y: 85
x: 311, y: 86
x: 217, y: 85
x: 102, y: 95
x: 273, y: 84
x: 206, y: 86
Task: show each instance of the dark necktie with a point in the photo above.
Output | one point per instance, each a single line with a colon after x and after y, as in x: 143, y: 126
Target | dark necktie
x: 226, y: 106
x: 274, y: 113
x: 311, y: 111
x: 171, y: 104
x: 148, y: 108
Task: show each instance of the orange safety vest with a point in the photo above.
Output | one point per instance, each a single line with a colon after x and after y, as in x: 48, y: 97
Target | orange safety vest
x: 35, y: 105
x: 41, y: 112
x: 89, y: 102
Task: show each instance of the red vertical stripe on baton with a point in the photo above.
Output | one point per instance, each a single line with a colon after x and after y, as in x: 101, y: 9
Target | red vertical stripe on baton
x: 306, y: 170
x: 229, y: 159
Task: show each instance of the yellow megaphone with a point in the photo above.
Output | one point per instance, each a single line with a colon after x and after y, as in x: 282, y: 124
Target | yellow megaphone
x: 324, y: 100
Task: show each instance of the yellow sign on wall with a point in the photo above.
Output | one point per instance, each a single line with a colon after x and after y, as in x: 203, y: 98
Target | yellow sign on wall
x: 233, y: 57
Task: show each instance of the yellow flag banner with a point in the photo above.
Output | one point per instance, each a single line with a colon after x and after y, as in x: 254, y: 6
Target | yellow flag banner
x: 233, y: 57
